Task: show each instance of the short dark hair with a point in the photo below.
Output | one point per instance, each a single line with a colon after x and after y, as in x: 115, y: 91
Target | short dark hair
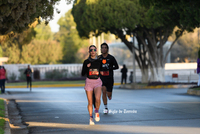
x: 104, y: 44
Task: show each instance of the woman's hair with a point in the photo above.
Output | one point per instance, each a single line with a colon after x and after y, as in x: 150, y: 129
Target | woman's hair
x: 92, y: 46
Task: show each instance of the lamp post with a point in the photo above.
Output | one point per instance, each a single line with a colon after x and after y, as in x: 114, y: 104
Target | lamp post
x: 133, y: 51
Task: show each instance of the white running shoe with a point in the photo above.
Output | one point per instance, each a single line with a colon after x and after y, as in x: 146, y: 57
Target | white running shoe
x: 97, y: 117
x: 105, y: 111
x: 91, y: 121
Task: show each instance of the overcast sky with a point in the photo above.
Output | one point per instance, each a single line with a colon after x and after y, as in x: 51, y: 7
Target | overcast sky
x: 63, y: 7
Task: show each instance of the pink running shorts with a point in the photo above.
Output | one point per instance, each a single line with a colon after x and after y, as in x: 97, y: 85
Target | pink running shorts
x: 90, y: 84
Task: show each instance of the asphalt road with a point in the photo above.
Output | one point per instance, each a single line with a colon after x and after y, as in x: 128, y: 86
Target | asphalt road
x: 144, y: 111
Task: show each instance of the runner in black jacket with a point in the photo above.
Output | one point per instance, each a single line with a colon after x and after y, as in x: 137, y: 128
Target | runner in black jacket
x: 91, y: 68
x: 109, y: 64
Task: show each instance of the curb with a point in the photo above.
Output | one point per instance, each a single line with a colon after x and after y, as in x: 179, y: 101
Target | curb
x: 129, y: 86
x: 7, y: 124
x: 193, y: 92
x: 169, y: 86
x: 15, y: 119
x: 57, y: 85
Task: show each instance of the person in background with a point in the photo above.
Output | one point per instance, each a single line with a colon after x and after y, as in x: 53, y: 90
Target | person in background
x: 198, y: 67
x: 131, y: 77
x: 2, y: 79
x: 28, y: 73
x: 124, y: 71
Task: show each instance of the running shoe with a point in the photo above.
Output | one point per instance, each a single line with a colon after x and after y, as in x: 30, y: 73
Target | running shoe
x: 97, y: 117
x: 109, y: 98
x: 105, y: 111
x: 91, y: 121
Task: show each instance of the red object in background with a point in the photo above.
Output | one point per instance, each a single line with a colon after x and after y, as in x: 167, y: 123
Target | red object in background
x: 174, y: 75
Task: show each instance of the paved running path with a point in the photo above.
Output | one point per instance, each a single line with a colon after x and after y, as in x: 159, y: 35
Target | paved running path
x: 144, y: 111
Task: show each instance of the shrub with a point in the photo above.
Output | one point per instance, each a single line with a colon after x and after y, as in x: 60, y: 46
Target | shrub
x: 56, y: 74
x: 12, y: 77
x: 76, y: 74
x: 36, y: 74
x: 22, y: 76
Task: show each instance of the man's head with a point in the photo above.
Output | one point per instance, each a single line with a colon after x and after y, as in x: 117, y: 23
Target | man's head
x: 28, y: 66
x: 104, y: 48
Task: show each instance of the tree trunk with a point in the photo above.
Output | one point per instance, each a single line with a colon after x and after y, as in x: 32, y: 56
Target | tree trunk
x: 157, y: 74
x: 145, y: 75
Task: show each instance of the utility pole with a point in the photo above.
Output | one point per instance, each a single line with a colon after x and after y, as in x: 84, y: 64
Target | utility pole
x: 133, y: 51
x: 99, y: 45
x: 94, y: 40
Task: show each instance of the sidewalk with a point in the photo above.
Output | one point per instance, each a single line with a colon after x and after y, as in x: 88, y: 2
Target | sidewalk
x: 125, y: 86
x: 54, y: 85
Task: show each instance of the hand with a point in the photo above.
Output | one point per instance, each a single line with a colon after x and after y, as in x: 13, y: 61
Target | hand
x: 101, y: 72
x: 88, y: 65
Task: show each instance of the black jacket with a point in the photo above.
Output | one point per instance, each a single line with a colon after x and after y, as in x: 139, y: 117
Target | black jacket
x: 91, y: 72
x: 109, y: 64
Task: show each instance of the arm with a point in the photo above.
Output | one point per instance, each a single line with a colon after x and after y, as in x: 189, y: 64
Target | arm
x: 115, y: 64
x: 25, y: 71
x: 84, y: 68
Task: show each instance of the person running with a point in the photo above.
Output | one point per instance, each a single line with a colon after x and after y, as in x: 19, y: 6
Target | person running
x: 109, y: 64
x: 2, y: 78
x: 28, y: 73
x: 93, y: 83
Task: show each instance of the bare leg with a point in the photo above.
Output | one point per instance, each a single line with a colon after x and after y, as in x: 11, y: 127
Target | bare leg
x: 97, y: 92
x: 89, y: 97
x: 109, y: 94
x: 104, y: 96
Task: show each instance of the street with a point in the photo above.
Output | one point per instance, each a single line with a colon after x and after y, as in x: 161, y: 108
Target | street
x: 142, y: 111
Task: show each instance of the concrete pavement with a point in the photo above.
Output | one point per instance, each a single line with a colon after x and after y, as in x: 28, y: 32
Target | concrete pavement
x: 149, y: 111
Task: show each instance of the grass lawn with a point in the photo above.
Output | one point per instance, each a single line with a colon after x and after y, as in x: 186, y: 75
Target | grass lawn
x: 198, y: 88
x: 46, y: 83
x: 2, y: 114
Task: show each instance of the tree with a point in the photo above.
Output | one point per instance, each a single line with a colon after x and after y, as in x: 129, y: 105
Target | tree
x: 16, y: 15
x: 43, y: 32
x: 15, y: 42
x: 127, y: 18
x: 32, y: 46
x: 187, y: 11
x: 187, y: 43
x: 42, y: 52
x: 69, y: 39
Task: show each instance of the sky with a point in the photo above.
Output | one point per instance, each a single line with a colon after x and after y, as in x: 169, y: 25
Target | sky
x: 63, y: 8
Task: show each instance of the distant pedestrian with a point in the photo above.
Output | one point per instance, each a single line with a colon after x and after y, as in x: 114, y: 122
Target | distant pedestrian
x: 124, y: 71
x: 131, y: 77
x: 2, y: 79
x: 91, y: 68
x: 198, y: 67
x: 28, y: 73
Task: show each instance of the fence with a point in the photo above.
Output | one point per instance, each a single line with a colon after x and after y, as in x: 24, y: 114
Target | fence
x: 185, y: 71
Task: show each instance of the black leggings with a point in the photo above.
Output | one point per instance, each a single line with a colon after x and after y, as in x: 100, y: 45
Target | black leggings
x: 123, y: 79
x: 2, y: 84
x: 29, y: 81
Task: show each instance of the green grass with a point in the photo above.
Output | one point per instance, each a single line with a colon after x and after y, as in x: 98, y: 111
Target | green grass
x: 46, y: 83
x: 2, y: 114
x: 2, y: 108
x: 196, y: 88
x: 2, y: 123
